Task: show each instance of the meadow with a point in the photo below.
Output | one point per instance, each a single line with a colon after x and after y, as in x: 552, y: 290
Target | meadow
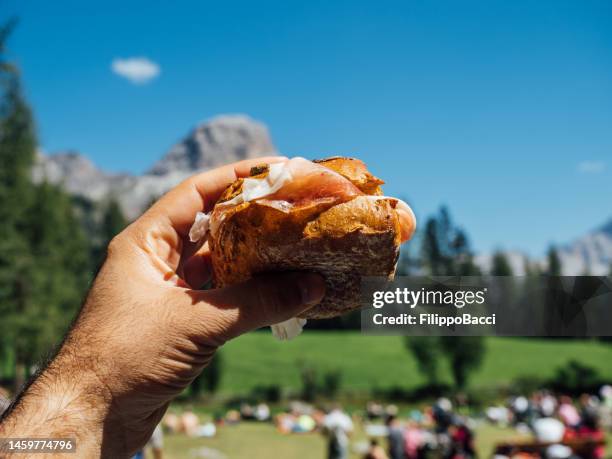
x: 383, y: 362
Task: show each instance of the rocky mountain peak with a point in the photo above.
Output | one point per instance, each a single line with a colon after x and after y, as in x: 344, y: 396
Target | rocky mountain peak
x: 66, y: 162
x: 73, y: 171
x: 220, y: 140
x: 607, y: 228
x: 588, y: 254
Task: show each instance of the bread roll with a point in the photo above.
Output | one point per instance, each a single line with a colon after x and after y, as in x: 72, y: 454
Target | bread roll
x: 326, y: 216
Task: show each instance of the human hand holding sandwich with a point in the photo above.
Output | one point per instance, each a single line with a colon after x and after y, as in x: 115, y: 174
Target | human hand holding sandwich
x: 144, y: 333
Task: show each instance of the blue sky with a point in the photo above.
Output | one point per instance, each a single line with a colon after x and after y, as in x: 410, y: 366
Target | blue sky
x: 500, y: 109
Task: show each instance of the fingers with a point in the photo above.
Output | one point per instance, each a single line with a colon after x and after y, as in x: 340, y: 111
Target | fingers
x: 197, y: 269
x: 161, y: 231
x: 259, y: 302
x: 199, y: 193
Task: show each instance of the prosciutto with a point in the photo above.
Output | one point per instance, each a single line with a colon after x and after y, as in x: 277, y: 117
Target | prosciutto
x: 288, y: 185
x: 296, y: 183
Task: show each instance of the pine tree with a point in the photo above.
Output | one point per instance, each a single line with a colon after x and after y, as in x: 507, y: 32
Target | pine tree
x: 446, y: 251
x: 554, y: 262
x: 425, y: 350
x: 465, y: 354
x: 6, y: 67
x: 60, y: 249
x: 43, y: 254
x: 113, y: 222
x: 17, y: 146
x: 210, y: 377
x: 500, y: 265
x: 431, y: 252
x: 446, y: 248
x: 462, y: 256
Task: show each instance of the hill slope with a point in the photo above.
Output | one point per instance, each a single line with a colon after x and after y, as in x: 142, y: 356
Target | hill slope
x: 368, y: 362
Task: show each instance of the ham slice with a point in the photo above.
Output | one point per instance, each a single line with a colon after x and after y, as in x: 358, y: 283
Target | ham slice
x: 297, y: 182
x: 293, y: 184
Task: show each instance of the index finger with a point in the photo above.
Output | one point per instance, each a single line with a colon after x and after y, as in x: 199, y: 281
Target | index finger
x: 199, y: 193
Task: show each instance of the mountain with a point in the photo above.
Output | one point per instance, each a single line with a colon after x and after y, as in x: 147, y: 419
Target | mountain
x: 220, y: 140
x: 590, y: 254
x: 223, y: 140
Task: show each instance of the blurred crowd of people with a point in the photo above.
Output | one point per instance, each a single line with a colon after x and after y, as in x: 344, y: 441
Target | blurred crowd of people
x: 433, y: 431
x: 437, y: 430
x: 562, y: 427
x: 548, y: 426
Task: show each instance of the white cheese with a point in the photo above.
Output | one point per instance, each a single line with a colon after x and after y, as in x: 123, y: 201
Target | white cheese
x: 288, y: 329
x: 255, y: 188
x: 200, y: 227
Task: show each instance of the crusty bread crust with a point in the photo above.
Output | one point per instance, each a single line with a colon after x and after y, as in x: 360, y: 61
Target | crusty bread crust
x: 342, y: 242
x: 356, y: 171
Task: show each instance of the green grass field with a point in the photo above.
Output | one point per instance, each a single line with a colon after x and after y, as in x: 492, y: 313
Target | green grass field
x: 368, y: 362
x: 259, y: 441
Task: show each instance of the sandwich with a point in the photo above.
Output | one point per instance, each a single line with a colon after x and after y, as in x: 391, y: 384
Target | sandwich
x: 327, y: 216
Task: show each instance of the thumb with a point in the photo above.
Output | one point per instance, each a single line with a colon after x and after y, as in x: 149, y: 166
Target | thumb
x: 264, y: 300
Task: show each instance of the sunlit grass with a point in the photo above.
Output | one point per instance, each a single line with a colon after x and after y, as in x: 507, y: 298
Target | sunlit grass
x: 368, y: 362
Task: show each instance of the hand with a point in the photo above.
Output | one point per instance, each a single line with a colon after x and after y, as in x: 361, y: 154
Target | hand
x: 144, y: 333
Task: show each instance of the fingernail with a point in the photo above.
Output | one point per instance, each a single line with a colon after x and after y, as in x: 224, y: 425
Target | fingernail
x: 312, y: 288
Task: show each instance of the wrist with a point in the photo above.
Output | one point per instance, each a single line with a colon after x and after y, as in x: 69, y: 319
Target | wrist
x: 65, y: 401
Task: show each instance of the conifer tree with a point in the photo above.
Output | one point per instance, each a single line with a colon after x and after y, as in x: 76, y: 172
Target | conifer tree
x: 17, y: 146
x: 43, y: 253
x: 113, y: 222
x: 446, y: 251
x: 554, y: 262
x: 500, y: 265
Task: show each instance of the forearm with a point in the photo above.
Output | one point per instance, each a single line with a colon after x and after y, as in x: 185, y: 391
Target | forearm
x: 65, y: 401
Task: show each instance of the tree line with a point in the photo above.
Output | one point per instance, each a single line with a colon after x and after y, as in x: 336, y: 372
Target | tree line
x: 46, y: 258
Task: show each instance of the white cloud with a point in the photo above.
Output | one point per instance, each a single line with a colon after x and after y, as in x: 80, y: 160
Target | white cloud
x: 591, y: 167
x: 138, y: 70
